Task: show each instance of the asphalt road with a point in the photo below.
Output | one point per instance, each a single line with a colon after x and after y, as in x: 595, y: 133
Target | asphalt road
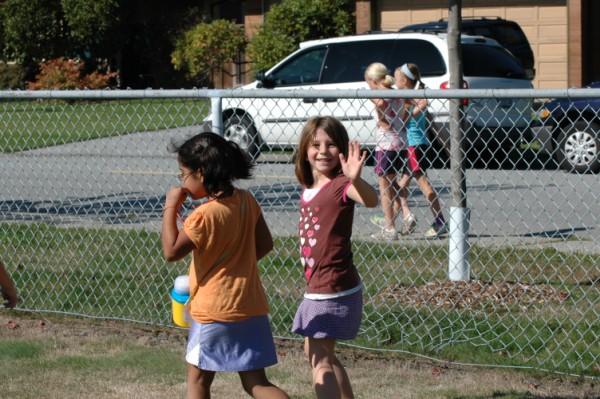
x: 120, y: 183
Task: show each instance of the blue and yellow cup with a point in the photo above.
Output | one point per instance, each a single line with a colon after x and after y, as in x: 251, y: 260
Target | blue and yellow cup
x: 179, y: 298
x: 181, y: 316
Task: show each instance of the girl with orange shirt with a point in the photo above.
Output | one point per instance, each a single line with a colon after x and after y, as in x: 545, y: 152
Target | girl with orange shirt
x: 226, y: 236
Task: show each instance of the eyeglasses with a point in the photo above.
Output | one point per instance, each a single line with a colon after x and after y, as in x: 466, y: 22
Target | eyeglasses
x: 183, y: 176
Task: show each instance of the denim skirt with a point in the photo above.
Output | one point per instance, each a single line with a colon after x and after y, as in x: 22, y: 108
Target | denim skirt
x: 232, y: 346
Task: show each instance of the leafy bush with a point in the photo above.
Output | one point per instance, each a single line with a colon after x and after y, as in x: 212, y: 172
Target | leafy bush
x: 293, y: 21
x: 11, y: 76
x: 205, y: 48
x: 68, y: 74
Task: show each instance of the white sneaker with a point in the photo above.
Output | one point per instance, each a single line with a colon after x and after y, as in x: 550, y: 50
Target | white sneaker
x: 410, y: 223
x: 436, y: 230
x: 385, y: 235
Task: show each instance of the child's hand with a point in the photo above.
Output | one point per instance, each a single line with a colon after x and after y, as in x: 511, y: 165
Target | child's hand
x: 176, y: 197
x: 352, y: 166
x: 10, y: 296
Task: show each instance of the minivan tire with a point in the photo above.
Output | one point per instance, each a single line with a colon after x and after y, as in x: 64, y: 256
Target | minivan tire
x: 578, y: 147
x: 242, y: 131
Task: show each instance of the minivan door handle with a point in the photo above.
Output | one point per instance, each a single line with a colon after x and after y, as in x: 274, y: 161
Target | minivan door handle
x: 309, y: 100
x: 330, y: 100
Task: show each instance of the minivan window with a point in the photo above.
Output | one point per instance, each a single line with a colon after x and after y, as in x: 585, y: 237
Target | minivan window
x: 305, y: 68
x: 420, y: 52
x: 490, y: 61
x: 347, y: 62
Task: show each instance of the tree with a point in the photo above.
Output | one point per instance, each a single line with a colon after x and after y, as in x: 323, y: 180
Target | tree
x: 37, y: 30
x: 32, y: 31
x: 93, y: 26
x: 207, y: 47
x: 293, y: 21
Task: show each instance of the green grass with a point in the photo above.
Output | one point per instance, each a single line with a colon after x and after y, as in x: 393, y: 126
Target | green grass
x: 19, y: 350
x: 27, y: 124
x: 121, y: 274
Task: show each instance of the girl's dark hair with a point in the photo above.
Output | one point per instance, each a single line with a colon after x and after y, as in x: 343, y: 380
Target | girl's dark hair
x: 219, y: 161
x: 334, y: 129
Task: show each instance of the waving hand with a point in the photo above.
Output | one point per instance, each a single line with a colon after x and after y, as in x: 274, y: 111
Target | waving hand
x: 360, y: 191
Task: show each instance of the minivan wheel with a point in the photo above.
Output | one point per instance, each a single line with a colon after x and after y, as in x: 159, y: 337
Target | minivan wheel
x: 241, y: 130
x: 578, y: 147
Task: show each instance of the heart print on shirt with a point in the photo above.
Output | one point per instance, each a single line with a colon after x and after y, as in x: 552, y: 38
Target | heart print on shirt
x: 308, y: 228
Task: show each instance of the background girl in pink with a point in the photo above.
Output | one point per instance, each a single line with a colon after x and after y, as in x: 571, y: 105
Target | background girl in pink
x: 329, y: 166
x: 390, y: 156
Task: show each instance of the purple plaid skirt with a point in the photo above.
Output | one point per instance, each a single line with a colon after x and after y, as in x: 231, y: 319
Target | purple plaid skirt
x: 336, y: 318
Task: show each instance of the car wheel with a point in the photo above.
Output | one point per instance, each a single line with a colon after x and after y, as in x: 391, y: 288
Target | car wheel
x: 242, y: 131
x: 578, y: 147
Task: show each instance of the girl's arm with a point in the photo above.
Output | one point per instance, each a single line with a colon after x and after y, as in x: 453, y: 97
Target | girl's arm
x: 176, y: 244
x: 380, y: 107
x: 360, y: 191
x: 418, y: 106
x: 363, y: 193
x: 264, y: 239
x: 421, y: 106
x: 9, y: 292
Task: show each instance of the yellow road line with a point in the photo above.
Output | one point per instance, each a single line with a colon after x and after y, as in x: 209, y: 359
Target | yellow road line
x: 150, y: 172
x: 141, y: 172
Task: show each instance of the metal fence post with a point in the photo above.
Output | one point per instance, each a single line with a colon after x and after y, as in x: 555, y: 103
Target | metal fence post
x: 458, y: 265
x: 217, y: 115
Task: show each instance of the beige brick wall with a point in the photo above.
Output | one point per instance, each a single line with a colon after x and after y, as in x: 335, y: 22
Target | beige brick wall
x: 544, y: 23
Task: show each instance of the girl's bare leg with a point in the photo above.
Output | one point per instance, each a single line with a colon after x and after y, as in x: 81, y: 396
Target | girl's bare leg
x: 330, y: 379
x: 403, y: 185
x: 257, y: 385
x: 388, y: 193
x: 430, y: 194
x: 342, y: 378
x: 199, y: 382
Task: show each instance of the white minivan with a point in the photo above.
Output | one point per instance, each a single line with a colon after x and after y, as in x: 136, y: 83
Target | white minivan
x: 340, y: 63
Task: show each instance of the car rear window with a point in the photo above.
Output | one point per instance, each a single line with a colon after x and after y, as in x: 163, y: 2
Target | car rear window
x: 490, y: 61
x: 510, y: 35
x: 420, y: 52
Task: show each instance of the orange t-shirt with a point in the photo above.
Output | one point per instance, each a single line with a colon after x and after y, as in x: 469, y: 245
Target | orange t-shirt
x: 231, y: 290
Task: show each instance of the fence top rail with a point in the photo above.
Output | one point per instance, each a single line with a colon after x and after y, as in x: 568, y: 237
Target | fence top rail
x: 572, y: 93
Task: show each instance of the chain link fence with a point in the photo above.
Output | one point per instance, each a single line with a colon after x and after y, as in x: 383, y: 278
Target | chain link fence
x: 84, y: 173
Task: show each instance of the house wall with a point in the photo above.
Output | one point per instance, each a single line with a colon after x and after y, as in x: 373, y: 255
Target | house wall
x: 553, y: 28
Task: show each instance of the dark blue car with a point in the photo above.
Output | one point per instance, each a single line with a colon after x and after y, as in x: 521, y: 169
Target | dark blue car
x: 508, y: 33
x: 570, y: 131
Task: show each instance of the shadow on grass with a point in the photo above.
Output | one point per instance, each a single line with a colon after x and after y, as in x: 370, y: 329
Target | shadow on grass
x: 513, y: 395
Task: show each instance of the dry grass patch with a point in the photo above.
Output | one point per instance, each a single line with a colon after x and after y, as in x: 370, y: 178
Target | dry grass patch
x: 66, y: 357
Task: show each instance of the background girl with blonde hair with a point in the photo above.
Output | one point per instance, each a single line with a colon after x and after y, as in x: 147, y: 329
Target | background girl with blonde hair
x: 390, y: 153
